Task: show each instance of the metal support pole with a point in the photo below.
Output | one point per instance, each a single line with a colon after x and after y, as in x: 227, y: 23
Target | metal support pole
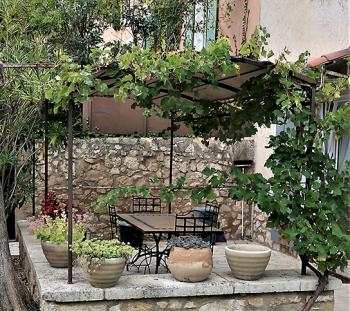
x: 313, y: 104
x: 171, y: 156
x: 304, y: 261
x: 46, y: 148
x: 242, y: 214
x: 70, y: 189
x: 33, y: 178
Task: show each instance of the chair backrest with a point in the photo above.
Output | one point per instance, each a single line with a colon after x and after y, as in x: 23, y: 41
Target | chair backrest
x: 113, y: 220
x: 146, y: 205
x: 192, y: 225
x: 211, y: 212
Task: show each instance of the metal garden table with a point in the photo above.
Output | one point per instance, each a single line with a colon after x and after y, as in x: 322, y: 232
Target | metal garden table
x: 159, y: 225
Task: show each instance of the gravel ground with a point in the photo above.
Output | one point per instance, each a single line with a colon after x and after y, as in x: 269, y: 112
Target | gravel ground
x: 19, y: 270
x: 21, y: 275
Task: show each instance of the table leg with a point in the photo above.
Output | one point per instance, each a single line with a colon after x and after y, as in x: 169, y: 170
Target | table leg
x: 159, y: 254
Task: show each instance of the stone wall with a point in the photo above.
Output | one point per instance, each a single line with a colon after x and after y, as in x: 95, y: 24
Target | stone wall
x: 100, y: 164
x: 261, y: 302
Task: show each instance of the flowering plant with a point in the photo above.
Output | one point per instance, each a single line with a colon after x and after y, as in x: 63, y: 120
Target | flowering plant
x: 56, y: 230
x: 53, y: 207
x: 34, y: 222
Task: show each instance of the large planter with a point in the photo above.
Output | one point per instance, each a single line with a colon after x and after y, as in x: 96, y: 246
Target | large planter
x: 190, y: 265
x: 107, y: 273
x: 56, y: 254
x: 247, y: 261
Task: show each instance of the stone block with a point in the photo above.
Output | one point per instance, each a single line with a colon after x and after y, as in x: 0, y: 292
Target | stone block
x: 164, y: 285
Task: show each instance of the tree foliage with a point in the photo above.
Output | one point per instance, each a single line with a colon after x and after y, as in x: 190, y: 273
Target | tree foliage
x: 21, y: 95
x: 162, y: 25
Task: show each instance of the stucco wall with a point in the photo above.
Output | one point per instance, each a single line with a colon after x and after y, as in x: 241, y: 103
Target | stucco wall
x: 232, y: 15
x: 319, y: 26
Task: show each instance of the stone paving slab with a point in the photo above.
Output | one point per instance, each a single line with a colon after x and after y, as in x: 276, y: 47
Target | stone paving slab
x: 52, y: 282
x: 277, y: 281
x: 164, y: 285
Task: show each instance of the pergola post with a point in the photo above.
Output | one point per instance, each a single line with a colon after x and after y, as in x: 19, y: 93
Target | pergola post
x: 46, y: 147
x: 171, y: 156
x: 304, y: 260
x: 70, y: 190
x: 33, y: 177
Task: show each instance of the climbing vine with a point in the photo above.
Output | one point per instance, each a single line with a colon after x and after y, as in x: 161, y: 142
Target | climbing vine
x: 307, y: 197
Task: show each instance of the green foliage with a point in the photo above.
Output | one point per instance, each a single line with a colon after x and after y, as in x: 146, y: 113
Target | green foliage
x: 92, y: 253
x: 307, y: 198
x: 74, y: 26
x: 255, y: 47
x: 102, y: 249
x: 119, y: 192
x: 161, y: 25
x: 20, y: 101
x: 56, y: 230
x: 73, y: 79
x: 339, y: 121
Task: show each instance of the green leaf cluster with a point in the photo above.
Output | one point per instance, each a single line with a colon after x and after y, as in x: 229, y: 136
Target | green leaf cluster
x: 119, y: 192
x: 102, y: 249
x: 56, y: 230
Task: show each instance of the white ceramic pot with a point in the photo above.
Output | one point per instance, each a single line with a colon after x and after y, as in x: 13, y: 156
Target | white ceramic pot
x: 190, y: 265
x: 247, y: 261
x: 107, y: 274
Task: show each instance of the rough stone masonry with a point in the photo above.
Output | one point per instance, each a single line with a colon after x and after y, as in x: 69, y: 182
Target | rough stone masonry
x: 102, y: 163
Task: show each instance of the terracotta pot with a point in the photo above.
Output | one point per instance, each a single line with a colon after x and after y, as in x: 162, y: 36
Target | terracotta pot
x: 56, y: 254
x: 190, y: 265
x: 247, y: 261
x: 107, y: 274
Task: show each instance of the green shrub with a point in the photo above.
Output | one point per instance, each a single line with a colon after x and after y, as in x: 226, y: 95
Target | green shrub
x: 102, y: 249
x: 56, y: 230
x: 92, y: 253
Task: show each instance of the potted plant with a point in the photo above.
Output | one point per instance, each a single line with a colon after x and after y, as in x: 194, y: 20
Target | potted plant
x: 102, y: 260
x: 190, y: 258
x: 247, y: 261
x: 53, y: 234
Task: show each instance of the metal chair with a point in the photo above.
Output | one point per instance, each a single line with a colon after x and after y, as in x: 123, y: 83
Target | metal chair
x: 132, y: 235
x: 210, y: 212
x: 146, y: 205
x: 192, y: 225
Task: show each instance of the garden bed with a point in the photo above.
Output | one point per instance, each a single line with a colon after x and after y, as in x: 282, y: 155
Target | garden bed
x: 277, y: 290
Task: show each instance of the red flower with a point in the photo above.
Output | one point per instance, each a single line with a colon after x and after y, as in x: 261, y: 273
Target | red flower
x: 52, y: 206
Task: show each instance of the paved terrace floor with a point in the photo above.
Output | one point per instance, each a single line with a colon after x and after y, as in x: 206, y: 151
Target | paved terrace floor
x: 278, y: 261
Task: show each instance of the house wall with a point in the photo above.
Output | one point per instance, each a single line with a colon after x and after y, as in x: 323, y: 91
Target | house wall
x: 319, y: 26
x: 232, y: 16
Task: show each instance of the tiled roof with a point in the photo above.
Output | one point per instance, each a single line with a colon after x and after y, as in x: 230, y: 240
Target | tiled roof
x: 329, y: 57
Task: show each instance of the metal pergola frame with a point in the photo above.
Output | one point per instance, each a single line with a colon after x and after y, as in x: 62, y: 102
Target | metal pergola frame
x: 305, y: 81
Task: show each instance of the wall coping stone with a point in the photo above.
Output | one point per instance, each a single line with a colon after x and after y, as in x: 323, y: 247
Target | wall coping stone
x: 52, y: 283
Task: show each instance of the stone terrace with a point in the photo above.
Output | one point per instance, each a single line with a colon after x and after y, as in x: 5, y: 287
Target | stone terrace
x: 281, y: 288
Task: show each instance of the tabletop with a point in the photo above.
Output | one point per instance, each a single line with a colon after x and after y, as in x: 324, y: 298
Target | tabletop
x: 158, y: 223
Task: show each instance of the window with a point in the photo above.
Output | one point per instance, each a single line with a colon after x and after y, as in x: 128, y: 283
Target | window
x: 202, y: 27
